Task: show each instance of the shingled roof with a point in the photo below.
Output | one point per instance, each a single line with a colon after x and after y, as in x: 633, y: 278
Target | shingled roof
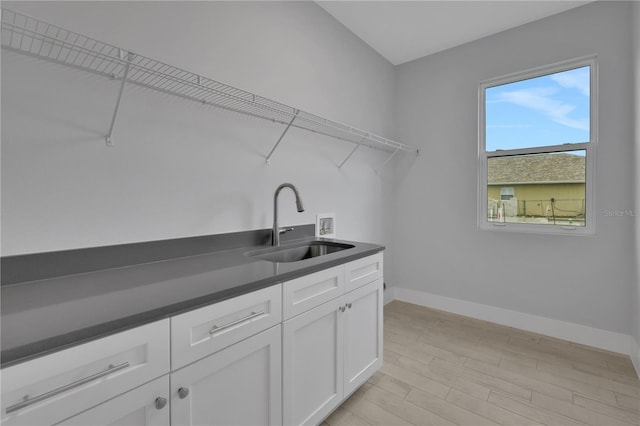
x: 539, y: 168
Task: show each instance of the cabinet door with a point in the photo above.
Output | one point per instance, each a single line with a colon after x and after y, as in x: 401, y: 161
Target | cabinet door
x: 143, y: 406
x: 312, y: 363
x: 363, y: 335
x: 240, y: 385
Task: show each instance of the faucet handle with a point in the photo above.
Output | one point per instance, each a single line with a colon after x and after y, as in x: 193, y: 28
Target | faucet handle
x: 283, y: 230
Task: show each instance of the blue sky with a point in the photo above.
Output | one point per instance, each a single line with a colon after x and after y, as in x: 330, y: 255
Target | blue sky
x: 542, y: 111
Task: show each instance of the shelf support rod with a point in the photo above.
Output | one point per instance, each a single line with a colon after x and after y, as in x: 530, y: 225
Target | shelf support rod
x: 352, y: 151
x: 282, y: 136
x: 120, y: 92
x: 390, y: 157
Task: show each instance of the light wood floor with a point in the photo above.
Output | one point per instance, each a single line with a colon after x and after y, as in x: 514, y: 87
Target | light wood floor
x: 445, y: 369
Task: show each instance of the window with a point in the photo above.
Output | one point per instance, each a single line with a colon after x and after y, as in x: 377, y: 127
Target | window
x: 537, y: 139
x: 506, y: 192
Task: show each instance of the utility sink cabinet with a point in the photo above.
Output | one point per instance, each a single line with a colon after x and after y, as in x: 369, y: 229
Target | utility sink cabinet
x: 334, y: 346
x: 286, y: 354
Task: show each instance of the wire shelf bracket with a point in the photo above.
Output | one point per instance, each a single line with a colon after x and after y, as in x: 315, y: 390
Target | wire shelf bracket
x: 109, y: 137
x: 390, y: 157
x: 352, y: 151
x: 282, y: 136
x: 33, y: 37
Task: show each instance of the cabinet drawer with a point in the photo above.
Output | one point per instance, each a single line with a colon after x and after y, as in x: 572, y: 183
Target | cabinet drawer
x: 55, y: 387
x: 312, y: 290
x: 204, y: 331
x: 363, y: 271
x: 142, y: 406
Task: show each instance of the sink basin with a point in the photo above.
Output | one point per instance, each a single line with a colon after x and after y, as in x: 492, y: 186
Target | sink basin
x: 295, y: 254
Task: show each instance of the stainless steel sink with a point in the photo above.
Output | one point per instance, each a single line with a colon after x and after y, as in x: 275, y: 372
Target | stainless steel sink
x: 297, y: 253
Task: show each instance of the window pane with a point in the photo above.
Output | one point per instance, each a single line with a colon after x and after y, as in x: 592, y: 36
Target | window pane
x: 546, y: 189
x: 542, y: 111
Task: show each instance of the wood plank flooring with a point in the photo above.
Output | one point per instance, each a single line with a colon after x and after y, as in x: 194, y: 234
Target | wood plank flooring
x: 445, y: 369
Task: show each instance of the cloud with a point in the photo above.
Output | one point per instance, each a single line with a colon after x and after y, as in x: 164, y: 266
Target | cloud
x: 574, y: 79
x: 541, y: 100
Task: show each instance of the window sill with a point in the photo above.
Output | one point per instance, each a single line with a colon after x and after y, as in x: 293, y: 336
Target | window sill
x: 537, y: 229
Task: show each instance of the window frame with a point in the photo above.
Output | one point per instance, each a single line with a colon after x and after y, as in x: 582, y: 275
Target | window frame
x: 507, y: 191
x: 589, y: 148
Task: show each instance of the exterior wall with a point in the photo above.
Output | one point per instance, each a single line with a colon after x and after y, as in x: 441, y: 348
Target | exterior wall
x: 570, y: 196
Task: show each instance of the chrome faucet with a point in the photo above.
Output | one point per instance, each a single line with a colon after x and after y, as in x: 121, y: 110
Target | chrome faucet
x: 276, y: 230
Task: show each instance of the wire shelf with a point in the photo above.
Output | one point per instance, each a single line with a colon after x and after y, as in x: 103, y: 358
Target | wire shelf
x: 34, y: 37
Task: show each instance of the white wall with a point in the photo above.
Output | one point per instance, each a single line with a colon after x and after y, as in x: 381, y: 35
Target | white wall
x: 636, y: 293
x: 576, y: 280
x: 177, y: 168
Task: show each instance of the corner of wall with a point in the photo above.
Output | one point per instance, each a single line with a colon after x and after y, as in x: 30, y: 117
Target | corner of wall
x: 635, y: 355
x: 635, y: 326
x: 389, y: 295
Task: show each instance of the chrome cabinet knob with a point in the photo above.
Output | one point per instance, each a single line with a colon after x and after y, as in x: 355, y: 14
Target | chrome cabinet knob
x: 183, y: 392
x: 160, y: 402
x: 349, y: 305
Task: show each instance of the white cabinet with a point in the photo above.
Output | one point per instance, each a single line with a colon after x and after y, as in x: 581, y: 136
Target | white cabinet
x: 313, y: 364
x: 236, y: 378
x: 55, y: 387
x: 203, y: 331
x: 362, y: 335
x: 240, y: 385
x: 144, y: 406
x: 363, y: 271
x: 311, y: 290
x: 333, y: 348
x: 232, y: 363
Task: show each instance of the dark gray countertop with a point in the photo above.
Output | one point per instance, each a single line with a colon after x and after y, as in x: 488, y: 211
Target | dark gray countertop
x: 43, y: 316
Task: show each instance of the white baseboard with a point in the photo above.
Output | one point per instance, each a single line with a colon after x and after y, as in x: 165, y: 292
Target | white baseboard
x: 602, y: 339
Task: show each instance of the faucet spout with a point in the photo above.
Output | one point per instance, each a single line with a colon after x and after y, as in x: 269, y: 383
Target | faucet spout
x: 276, y: 230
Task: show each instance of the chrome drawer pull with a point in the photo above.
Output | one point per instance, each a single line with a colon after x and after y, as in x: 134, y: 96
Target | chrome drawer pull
x: 29, y: 401
x: 252, y: 315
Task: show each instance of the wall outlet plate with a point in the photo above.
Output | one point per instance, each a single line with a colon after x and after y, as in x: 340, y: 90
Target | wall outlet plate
x: 326, y: 225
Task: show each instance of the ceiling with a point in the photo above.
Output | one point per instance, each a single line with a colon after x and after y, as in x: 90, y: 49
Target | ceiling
x: 405, y: 30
